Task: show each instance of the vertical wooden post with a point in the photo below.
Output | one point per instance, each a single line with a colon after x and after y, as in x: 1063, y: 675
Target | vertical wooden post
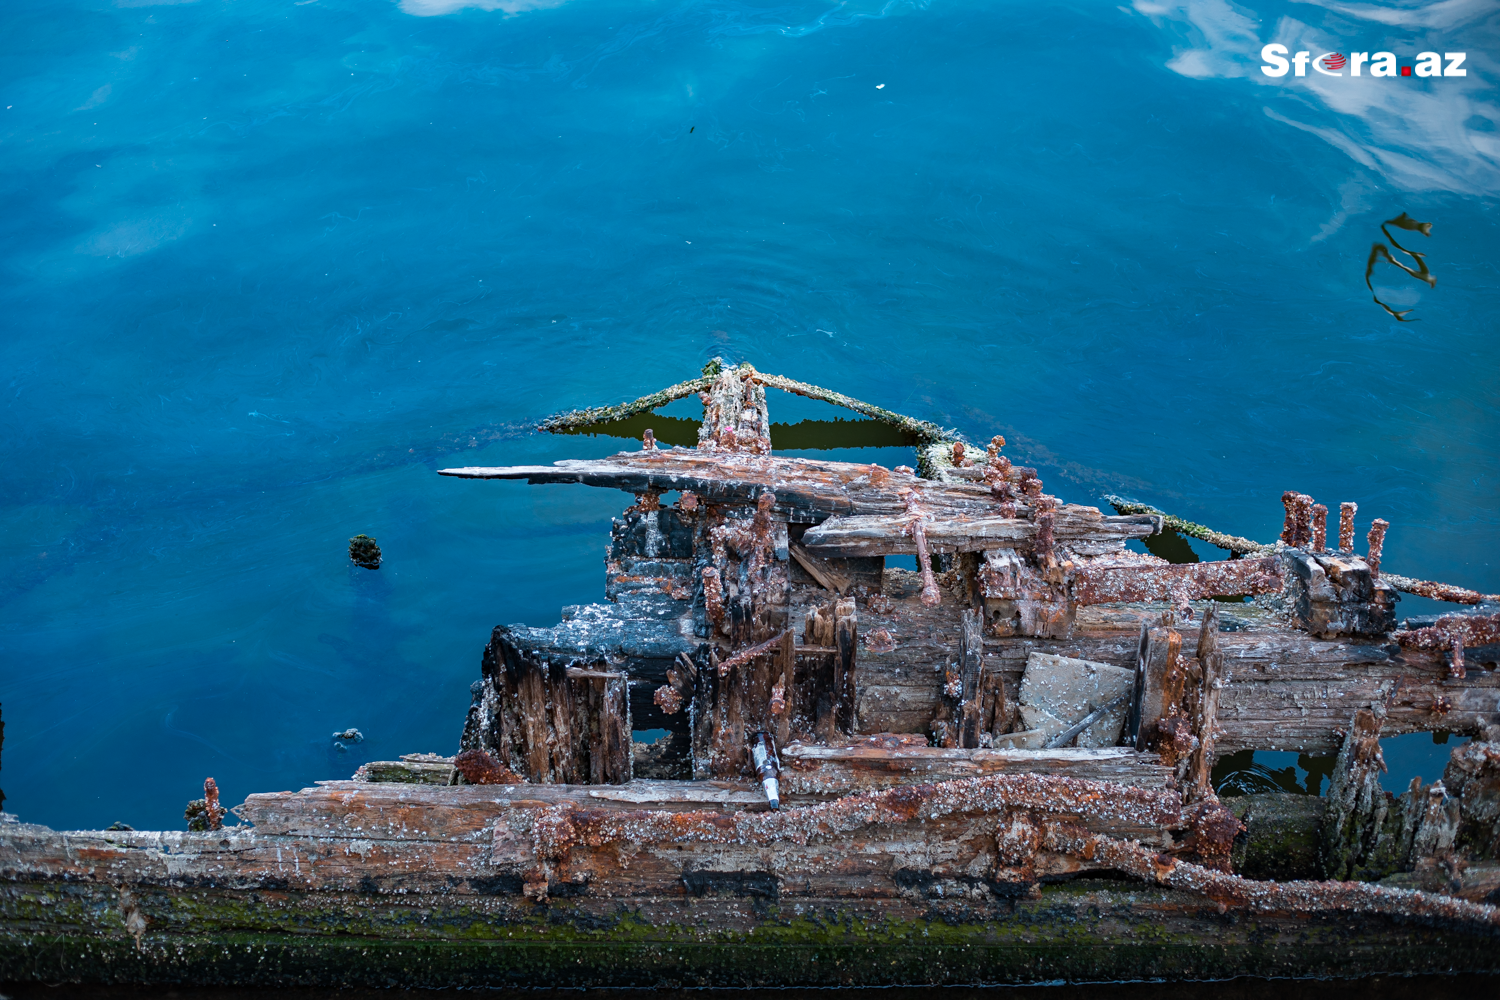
x: 734, y: 736
x: 561, y: 705
x: 1211, y: 658
x: 1138, y: 688
x: 971, y: 671
x: 597, y: 758
x: 787, y: 671
x: 1161, y: 691
x: 846, y: 635
x: 719, y: 761
x: 1173, y: 677
x: 702, y: 719
x: 533, y: 691
x: 614, y: 730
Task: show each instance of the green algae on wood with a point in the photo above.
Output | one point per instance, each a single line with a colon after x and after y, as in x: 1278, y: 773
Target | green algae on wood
x: 1088, y: 929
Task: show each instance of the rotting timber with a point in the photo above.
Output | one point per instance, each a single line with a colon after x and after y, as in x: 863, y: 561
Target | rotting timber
x: 994, y: 769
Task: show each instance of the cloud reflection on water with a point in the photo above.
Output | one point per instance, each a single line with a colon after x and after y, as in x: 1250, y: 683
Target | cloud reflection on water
x: 1418, y: 135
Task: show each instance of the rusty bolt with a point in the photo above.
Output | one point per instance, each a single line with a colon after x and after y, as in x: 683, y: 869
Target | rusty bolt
x: 1456, y: 668
x: 1320, y: 527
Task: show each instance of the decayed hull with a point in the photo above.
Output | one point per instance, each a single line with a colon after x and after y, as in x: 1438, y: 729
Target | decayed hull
x: 756, y: 612
x: 1085, y: 930
x: 475, y: 885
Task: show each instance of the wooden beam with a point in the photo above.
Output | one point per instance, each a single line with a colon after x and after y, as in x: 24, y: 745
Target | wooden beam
x: 846, y: 637
x: 971, y: 670
x: 822, y: 770
x: 828, y: 578
x: 885, y: 534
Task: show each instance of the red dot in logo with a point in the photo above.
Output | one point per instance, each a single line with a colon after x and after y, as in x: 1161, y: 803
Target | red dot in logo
x: 1334, y: 61
x: 1406, y: 71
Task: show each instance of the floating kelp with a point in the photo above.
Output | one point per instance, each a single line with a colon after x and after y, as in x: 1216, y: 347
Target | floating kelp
x: 1380, y: 252
x: 364, y: 552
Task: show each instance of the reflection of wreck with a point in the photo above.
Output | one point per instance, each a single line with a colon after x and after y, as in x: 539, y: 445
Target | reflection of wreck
x: 996, y: 768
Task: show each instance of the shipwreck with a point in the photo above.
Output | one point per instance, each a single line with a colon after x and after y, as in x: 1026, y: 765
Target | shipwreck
x: 996, y: 767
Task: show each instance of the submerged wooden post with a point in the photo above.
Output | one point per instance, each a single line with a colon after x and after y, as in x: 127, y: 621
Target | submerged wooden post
x: 1355, y: 807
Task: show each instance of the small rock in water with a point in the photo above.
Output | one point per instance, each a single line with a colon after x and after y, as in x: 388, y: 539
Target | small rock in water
x: 351, y: 735
x: 364, y: 552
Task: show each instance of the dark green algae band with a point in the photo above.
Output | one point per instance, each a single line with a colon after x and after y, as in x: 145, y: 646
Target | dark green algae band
x: 819, y: 435
x: 1086, y: 930
x: 593, y: 419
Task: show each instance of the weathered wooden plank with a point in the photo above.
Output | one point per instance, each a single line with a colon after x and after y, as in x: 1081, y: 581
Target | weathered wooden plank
x: 349, y: 809
x: 819, y: 569
x: 806, y: 489
x: 883, y: 535
x: 845, y: 679
x: 971, y: 667
x: 841, y: 770
x: 1190, y: 581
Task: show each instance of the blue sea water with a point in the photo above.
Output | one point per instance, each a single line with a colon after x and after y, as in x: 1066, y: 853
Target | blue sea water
x: 267, y: 265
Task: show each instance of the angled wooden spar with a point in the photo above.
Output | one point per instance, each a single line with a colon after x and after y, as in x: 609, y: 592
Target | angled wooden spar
x: 806, y: 489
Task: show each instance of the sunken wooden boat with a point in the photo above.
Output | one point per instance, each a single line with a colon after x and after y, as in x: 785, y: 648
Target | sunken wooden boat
x: 995, y: 768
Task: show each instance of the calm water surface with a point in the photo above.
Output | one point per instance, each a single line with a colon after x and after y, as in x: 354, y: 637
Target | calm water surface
x: 267, y: 265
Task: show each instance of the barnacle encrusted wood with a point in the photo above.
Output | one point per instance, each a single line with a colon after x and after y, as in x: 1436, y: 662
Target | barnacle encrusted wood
x: 766, y: 736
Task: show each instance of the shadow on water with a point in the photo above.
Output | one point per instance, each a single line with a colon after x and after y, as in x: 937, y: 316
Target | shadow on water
x: 1244, y: 988
x: 801, y: 436
x: 1250, y: 772
x: 1171, y: 546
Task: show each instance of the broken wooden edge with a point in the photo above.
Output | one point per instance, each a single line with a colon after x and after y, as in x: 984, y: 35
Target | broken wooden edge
x: 1439, y: 591
x: 1244, y: 546
x: 1233, y: 891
